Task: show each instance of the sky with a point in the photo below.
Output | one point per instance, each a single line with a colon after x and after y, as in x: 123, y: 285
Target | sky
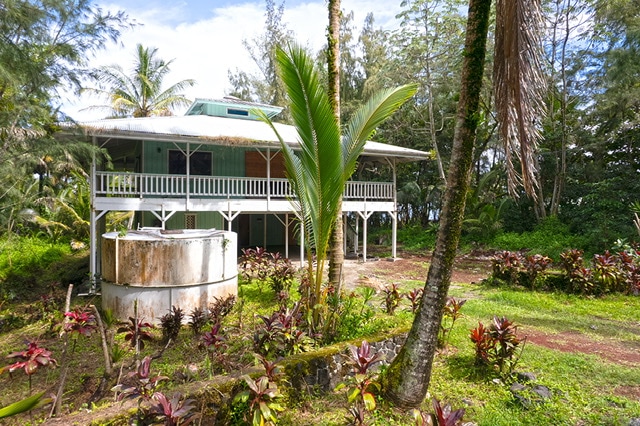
x: 204, y: 38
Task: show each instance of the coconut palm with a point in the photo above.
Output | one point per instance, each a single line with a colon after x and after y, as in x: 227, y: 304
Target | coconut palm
x: 336, y: 254
x: 517, y: 83
x: 319, y: 171
x: 140, y: 93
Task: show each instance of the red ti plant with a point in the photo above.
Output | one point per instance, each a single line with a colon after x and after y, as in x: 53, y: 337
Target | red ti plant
x: 415, y: 296
x: 175, y: 411
x: 535, y: 264
x: 630, y: 271
x: 450, y: 315
x: 442, y: 416
x: 261, y: 396
x: 506, y: 265
x: 606, y: 273
x: 579, y: 276
x: 215, y: 342
x: 140, y: 384
x: 507, y: 343
x: 363, y: 381
x: 391, y: 298
x: 80, y: 321
x: 498, y: 345
x: 30, y: 360
x: 136, y: 333
x: 483, y: 342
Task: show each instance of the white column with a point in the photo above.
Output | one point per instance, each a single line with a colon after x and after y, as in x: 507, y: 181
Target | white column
x: 394, y: 216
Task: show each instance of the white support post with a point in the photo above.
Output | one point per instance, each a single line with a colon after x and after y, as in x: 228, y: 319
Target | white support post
x: 187, y: 189
x: 229, y: 216
x: 93, y: 262
x: 285, y: 223
x: 394, y: 215
x: 345, y: 233
x: 365, y: 215
x: 357, y: 238
x: 394, y: 233
x: 163, y: 216
x: 286, y: 235
x: 302, y: 244
x: 264, y: 230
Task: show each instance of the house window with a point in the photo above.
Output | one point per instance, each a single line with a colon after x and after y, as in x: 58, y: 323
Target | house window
x: 240, y: 112
x: 190, y: 221
x: 199, y: 163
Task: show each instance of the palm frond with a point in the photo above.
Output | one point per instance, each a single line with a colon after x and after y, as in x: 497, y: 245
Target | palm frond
x: 519, y: 85
x: 368, y: 117
x: 321, y: 153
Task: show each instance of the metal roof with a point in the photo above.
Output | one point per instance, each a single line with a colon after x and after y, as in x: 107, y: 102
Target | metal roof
x: 221, y: 131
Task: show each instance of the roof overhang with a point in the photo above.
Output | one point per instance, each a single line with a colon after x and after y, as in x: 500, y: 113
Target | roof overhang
x: 208, y: 130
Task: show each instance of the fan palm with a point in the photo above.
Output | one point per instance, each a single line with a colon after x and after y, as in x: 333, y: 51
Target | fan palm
x: 140, y: 93
x: 326, y: 159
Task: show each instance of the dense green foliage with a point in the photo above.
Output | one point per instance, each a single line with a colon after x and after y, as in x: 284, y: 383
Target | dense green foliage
x: 587, y: 154
x: 44, y: 50
x: 30, y: 265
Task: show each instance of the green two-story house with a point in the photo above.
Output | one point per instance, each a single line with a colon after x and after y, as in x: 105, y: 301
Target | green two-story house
x: 219, y: 167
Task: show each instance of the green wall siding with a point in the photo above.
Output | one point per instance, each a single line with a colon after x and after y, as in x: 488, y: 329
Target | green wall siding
x: 227, y: 161
x: 204, y: 220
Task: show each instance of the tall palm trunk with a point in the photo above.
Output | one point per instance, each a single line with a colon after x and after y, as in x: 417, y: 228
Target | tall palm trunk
x: 336, y: 255
x: 407, y: 379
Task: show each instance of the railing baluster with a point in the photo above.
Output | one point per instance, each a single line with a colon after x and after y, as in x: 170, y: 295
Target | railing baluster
x: 148, y: 184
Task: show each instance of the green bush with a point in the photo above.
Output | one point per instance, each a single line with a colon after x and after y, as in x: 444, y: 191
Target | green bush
x: 415, y: 237
x: 28, y: 263
x: 549, y: 238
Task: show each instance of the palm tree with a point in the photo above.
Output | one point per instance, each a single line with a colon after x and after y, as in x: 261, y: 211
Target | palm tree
x: 319, y: 171
x: 407, y: 378
x: 140, y: 93
x: 336, y: 257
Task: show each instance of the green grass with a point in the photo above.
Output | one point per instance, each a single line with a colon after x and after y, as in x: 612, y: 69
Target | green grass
x: 583, y: 386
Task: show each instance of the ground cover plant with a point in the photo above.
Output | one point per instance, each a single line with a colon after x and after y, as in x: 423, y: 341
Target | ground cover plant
x: 587, y: 388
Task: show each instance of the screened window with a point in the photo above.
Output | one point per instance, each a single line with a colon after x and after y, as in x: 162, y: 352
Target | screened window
x: 199, y: 163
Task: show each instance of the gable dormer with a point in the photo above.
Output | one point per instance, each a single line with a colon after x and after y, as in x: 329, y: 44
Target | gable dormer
x: 231, y: 107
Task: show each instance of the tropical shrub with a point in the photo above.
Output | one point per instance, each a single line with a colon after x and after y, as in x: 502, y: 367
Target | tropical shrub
x: 261, y: 397
x: 497, y: 346
x: 363, y: 383
x: 136, y: 332
x: 415, y: 297
x: 172, y: 412
x: 140, y: 383
x: 282, y: 333
x: 451, y: 313
x: 348, y: 315
x: 198, y: 319
x: 442, y: 415
x: 171, y: 324
x: 392, y: 298
x: 30, y: 360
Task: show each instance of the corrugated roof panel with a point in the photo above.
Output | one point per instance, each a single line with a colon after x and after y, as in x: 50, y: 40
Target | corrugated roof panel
x: 220, y: 130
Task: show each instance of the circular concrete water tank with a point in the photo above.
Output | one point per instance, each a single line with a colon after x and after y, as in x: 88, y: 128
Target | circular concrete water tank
x: 160, y: 269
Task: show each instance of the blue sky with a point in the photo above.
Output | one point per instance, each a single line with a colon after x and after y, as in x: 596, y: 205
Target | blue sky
x: 204, y: 38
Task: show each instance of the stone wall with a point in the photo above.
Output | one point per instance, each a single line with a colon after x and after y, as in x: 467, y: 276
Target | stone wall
x: 321, y: 371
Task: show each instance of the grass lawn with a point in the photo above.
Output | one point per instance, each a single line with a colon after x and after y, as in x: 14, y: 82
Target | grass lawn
x: 586, y: 351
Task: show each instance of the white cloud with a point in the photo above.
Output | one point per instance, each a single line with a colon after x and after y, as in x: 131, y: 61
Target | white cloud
x: 207, y: 47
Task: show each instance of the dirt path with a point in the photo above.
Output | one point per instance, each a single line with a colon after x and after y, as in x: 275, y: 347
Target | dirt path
x: 378, y: 273
x: 472, y: 269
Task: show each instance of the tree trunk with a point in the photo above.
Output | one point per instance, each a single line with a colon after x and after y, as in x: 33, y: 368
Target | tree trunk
x: 407, y: 379
x: 336, y: 255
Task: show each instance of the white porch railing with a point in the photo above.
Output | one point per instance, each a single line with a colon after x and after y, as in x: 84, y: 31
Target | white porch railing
x: 120, y: 184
